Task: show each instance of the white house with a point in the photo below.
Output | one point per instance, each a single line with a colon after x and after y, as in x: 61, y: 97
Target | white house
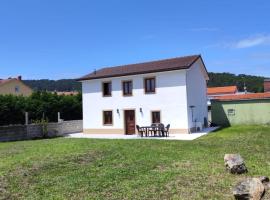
x: 171, y: 91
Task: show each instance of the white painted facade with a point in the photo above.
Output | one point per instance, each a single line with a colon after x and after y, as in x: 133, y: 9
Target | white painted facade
x: 175, y: 92
x: 197, y: 95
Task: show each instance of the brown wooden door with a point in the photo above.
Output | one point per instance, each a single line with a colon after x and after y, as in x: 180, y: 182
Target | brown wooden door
x: 130, y: 122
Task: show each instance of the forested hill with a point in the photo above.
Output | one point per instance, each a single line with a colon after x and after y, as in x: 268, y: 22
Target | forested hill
x: 63, y: 85
x: 253, y: 83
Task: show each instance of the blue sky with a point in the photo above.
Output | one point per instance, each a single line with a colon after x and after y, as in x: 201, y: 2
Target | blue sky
x: 66, y: 38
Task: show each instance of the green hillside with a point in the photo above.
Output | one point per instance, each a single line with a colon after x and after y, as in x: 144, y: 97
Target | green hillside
x: 253, y: 83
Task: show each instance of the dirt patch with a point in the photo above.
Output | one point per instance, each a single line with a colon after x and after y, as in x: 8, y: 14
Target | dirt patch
x: 24, y: 178
x: 4, y: 194
x: 11, y: 152
x: 196, y: 185
x: 175, y: 166
x: 86, y: 158
x: 184, y: 164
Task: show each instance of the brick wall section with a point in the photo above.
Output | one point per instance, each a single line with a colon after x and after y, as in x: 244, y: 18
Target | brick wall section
x: 267, y: 85
x: 32, y: 131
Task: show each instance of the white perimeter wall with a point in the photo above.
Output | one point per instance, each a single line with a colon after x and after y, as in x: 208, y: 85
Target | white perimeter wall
x: 170, y: 98
x: 197, y: 93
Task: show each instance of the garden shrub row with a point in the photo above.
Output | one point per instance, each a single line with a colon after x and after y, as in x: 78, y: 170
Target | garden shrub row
x: 40, y: 105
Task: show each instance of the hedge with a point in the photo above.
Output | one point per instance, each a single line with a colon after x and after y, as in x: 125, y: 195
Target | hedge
x: 39, y: 105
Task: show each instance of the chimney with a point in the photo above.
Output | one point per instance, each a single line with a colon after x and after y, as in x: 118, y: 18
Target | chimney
x: 266, y: 85
x: 19, y: 78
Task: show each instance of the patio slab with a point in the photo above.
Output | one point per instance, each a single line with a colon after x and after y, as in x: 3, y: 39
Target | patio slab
x: 192, y: 136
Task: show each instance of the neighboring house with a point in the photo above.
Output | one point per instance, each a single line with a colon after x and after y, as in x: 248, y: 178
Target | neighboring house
x: 266, y: 85
x: 253, y: 108
x: 14, y: 86
x: 213, y: 92
x: 171, y: 91
x: 221, y: 91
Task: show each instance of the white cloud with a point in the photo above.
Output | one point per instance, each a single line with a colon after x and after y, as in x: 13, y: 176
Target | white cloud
x: 256, y: 40
x: 252, y: 41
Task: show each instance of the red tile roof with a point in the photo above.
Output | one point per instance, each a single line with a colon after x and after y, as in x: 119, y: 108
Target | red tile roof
x: 249, y: 96
x: 222, y: 90
x: 143, y: 68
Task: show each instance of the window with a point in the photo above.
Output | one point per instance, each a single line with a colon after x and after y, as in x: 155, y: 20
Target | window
x: 231, y: 112
x: 107, y: 89
x: 17, y: 89
x: 149, y: 85
x: 107, y: 118
x: 156, y: 117
x: 127, y: 88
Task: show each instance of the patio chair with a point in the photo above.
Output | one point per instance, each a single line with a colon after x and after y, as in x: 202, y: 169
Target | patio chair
x: 140, y: 131
x: 154, y: 130
x: 151, y: 131
x: 166, y: 130
x: 161, y: 130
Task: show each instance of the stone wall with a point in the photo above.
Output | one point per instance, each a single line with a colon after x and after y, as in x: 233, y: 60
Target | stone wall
x: 32, y: 131
x: 9, y: 133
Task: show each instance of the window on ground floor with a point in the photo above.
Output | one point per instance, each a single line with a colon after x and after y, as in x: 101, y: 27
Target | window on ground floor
x: 107, y: 118
x: 231, y: 112
x: 156, y: 117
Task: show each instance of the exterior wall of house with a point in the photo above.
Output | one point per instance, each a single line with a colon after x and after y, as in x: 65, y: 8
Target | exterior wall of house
x: 9, y: 88
x: 266, y: 85
x: 197, y: 96
x: 170, y: 99
x: 229, y: 113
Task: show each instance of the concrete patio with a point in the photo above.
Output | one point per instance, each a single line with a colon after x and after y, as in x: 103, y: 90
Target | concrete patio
x: 192, y: 136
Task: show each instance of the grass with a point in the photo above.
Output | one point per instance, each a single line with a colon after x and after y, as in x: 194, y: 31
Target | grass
x: 131, y: 169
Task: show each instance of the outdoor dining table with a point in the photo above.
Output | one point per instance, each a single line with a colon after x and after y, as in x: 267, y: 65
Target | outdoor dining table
x: 157, y: 130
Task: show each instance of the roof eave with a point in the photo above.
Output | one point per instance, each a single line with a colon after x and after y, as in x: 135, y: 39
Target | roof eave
x: 134, y: 73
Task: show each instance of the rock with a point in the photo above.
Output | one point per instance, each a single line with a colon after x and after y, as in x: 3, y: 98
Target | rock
x: 235, y: 164
x: 264, y: 179
x: 266, y: 182
x: 251, y: 188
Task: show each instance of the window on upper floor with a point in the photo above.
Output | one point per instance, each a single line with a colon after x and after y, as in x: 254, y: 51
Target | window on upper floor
x: 107, y: 117
x: 17, y: 89
x: 107, y: 89
x: 150, y: 85
x: 155, y: 117
x: 127, y: 88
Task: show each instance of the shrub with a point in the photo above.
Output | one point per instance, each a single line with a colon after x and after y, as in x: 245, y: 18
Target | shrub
x: 40, y: 105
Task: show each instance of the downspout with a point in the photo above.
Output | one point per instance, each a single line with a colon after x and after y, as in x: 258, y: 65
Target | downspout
x: 186, y: 72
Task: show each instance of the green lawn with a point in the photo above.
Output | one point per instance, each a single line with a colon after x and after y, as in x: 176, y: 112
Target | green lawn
x: 131, y: 169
